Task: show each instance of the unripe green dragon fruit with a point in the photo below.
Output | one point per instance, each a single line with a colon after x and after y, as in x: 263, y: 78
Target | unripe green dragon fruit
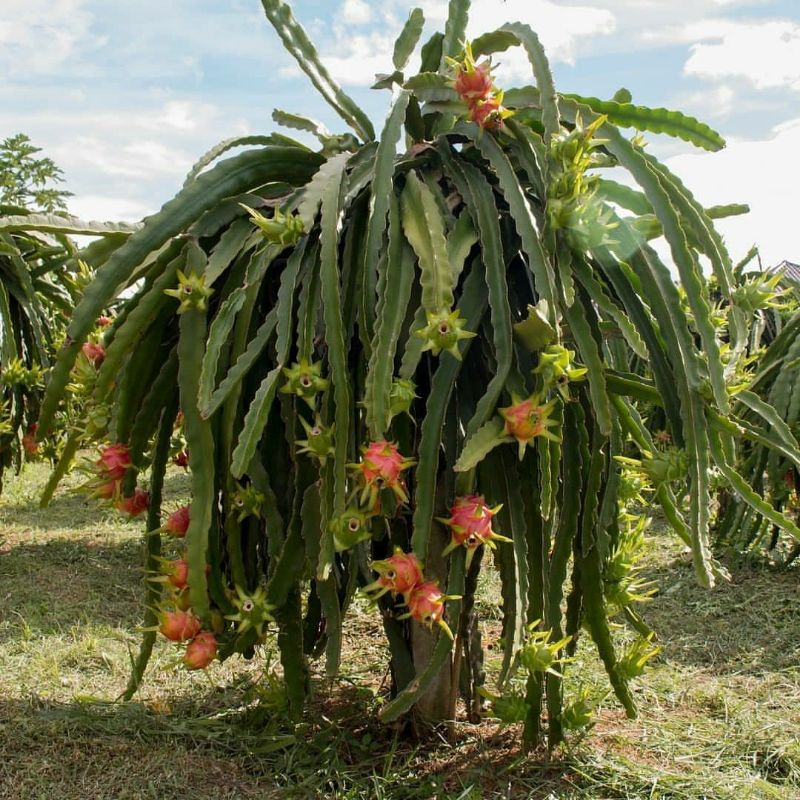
x: 191, y: 291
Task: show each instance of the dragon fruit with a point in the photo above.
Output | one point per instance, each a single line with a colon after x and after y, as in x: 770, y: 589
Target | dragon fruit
x: 178, y: 573
x: 470, y: 524
x: 201, y: 651
x: 177, y: 522
x: 473, y: 81
x: 426, y: 606
x: 95, y: 353
x: 349, y: 529
x: 178, y: 626
x: 399, y: 574
x: 527, y: 419
x: 114, y: 461
x: 489, y: 113
x: 381, y: 467
x: 136, y: 504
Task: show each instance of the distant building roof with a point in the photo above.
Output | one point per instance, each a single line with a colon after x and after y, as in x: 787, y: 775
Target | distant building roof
x: 790, y: 270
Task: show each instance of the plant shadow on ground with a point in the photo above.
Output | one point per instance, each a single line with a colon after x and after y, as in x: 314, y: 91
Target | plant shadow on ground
x: 719, y: 709
x: 745, y: 625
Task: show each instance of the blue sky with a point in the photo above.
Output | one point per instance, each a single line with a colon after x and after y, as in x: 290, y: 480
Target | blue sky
x: 125, y: 96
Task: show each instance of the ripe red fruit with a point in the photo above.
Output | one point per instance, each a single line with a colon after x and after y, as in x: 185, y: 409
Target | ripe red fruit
x: 178, y: 626
x: 487, y: 113
x: 29, y: 443
x: 136, y: 504
x: 94, y: 352
x: 105, y: 491
x: 114, y: 460
x: 470, y: 524
x: 102, y: 321
x: 426, y: 606
x: 178, y: 574
x: 181, y: 459
x: 178, y: 522
x: 473, y: 83
x: 201, y: 651
x: 399, y: 574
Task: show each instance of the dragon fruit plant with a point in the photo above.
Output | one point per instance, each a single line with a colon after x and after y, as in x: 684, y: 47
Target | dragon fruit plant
x: 392, y: 362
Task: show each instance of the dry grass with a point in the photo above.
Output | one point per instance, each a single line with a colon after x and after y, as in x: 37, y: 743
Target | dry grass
x: 720, y: 710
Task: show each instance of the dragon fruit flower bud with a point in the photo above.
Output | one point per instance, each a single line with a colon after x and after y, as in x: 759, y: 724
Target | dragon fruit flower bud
x: 470, y: 524
x: 178, y: 626
x: 177, y: 522
x: 381, y: 467
x: 426, y: 606
x: 399, y: 574
x: 102, y: 321
x: 114, y: 461
x: 527, y: 419
x: 201, y: 651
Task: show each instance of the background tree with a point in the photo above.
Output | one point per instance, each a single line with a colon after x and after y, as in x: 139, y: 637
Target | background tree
x: 25, y: 178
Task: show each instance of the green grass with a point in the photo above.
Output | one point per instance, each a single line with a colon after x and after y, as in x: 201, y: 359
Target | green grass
x: 720, y: 709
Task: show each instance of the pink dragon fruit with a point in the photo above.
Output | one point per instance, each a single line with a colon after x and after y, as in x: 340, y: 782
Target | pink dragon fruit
x: 527, y: 419
x: 473, y: 81
x: 178, y: 626
x: 178, y: 573
x: 426, y: 606
x: 95, y: 353
x: 177, y: 522
x: 381, y: 468
x: 136, y: 504
x: 399, y: 574
x: 201, y: 651
x: 114, y: 461
x: 470, y: 524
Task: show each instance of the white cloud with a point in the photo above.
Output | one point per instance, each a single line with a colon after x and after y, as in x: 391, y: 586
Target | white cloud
x: 105, y: 208
x: 752, y: 172
x: 354, y: 59
x: 36, y: 36
x: 559, y: 26
x: 356, y: 12
x: 765, y: 53
x: 711, y: 103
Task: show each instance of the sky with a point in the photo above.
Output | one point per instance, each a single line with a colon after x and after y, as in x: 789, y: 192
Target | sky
x: 125, y: 96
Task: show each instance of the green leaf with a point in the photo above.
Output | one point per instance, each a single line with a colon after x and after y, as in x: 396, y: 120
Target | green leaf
x: 408, y: 38
x: 424, y: 228
x: 298, y: 44
x: 541, y: 71
x: 229, y: 177
x: 481, y: 443
x: 300, y: 123
x: 64, y: 223
x: 455, y: 29
x: 656, y: 120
